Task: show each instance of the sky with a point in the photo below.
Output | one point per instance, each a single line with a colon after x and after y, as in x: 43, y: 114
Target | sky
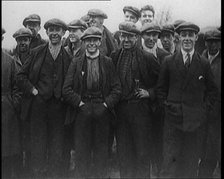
x: 201, y: 12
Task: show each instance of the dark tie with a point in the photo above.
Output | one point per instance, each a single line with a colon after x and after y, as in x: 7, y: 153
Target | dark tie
x: 188, y: 62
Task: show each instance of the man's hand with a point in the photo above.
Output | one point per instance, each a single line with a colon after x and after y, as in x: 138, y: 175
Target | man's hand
x: 81, y: 103
x: 142, y: 93
x: 34, y: 91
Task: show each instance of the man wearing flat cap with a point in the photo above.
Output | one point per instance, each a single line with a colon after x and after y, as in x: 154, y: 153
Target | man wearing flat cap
x: 147, y: 14
x: 212, y: 142
x: 150, y: 33
x: 33, y: 22
x: 187, y: 90
x: 108, y: 43
x: 92, y: 89
x: 138, y: 72
x: 10, y: 129
x: 41, y: 78
x: 167, y: 38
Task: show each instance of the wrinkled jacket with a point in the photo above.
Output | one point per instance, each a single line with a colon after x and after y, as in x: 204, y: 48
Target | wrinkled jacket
x: 73, y: 85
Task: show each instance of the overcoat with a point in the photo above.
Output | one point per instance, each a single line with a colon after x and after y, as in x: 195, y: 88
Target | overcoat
x: 187, y: 93
x: 28, y: 76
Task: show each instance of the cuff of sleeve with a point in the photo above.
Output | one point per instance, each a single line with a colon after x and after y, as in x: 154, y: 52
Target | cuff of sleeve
x: 152, y: 94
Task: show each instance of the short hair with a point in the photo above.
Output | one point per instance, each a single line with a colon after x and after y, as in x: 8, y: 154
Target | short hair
x: 148, y: 7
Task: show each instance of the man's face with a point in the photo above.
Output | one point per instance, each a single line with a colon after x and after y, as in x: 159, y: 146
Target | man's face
x: 96, y: 21
x: 188, y: 39
x: 167, y: 40
x: 146, y: 16
x: 92, y: 44
x: 213, y: 46
x: 55, y: 33
x: 130, y: 17
x: 75, y: 34
x: 23, y: 44
x: 128, y: 40
x: 150, y: 38
x: 34, y: 27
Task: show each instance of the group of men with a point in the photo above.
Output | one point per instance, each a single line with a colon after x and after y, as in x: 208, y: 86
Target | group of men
x: 148, y: 90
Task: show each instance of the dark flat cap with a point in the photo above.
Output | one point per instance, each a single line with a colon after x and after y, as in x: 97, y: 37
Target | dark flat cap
x: 3, y: 31
x: 91, y: 32
x: 148, y: 7
x: 55, y: 22
x: 97, y: 12
x: 187, y: 26
x: 128, y: 27
x: 22, y: 32
x: 31, y: 18
x: 151, y: 27
x: 77, y: 24
x: 132, y: 9
x: 168, y: 28
x: 177, y: 23
x: 214, y: 34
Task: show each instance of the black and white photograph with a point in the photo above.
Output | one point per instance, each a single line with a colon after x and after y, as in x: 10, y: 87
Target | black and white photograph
x: 111, y: 89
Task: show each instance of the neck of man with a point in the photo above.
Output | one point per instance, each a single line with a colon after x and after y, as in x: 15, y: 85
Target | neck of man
x: 76, y: 45
x: 55, y: 45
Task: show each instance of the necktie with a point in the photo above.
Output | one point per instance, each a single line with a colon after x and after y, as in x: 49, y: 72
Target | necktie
x: 187, y: 62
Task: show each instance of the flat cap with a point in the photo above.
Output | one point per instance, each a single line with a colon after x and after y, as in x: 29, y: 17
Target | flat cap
x: 132, y: 9
x: 97, y: 12
x: 22, y: 32
x: 32, y: 18
x: 128, y: 27
x: 187, y: 26
x: 214, y: 34
x: 168, y: 28
x: 147, y: 7
x: 3, y: 31
x: 151, y: 27
x: 77, y: 24
x: 177, y: 23
x: 91, y: 32
x: 55, y: 22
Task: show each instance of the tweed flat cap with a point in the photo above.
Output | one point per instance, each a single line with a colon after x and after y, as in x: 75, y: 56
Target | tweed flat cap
x: 177, y: 23
x: 187, y: 26
x: 150, y: 27
x: 168, y: 28
x: 148, y: 7
x: 214, y: 34
x: 31, y: 18
x: 132, y: 9
x: 22, y: 32
x: 129, y: 27
x: 77, y: 24
x: 55, y: 22
x: 3, y: 31
x: 97, y: 12
x: 91, y: 32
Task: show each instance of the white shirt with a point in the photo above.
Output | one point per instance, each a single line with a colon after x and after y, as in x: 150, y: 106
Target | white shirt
x: 184, y: 53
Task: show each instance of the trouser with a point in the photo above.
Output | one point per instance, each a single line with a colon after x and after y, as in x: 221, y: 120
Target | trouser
x: 47, y: 127
x: 181, y: 152
x: 133, y: 138
x: 91, y: 140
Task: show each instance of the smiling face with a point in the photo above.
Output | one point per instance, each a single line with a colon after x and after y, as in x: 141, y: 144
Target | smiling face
x: 146, y: 16
x: 75, y: 34
x: 128, y: 41
x: 92, y: 44
x: 130, y: 17
x: 150, y: 38
x: 23, y: 44
x: 34, y: 27
x: 55, y: 33
x: 188, y: 39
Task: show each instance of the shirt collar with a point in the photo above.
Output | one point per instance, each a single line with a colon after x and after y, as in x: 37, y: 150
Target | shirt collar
x: 184, y: 53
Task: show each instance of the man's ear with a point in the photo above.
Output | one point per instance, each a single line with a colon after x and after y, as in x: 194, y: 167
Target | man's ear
x: 63, y: 32
x: 38, y: 28
x: 99, y: 43
x: 196, y: 37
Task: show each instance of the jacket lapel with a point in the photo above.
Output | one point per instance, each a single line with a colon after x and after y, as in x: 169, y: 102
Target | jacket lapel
x: 102, y: 70
x: 180, y: 63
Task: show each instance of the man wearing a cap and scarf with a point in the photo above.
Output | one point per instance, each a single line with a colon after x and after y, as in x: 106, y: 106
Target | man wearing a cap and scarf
x: 92, y: 88
x: 11, y: 96
x: 33, y: 22
x: 212, y: 148
x: 41, y: 79
x: 108, y: 43
x: 187, y: 90
x: 138, y: 72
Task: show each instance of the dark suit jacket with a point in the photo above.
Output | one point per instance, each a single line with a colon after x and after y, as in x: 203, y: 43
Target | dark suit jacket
x: 161, y: 54
x: 149, y: 68
x: 28, y: 76
x: 73, y: 86
x: 187, y: 92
